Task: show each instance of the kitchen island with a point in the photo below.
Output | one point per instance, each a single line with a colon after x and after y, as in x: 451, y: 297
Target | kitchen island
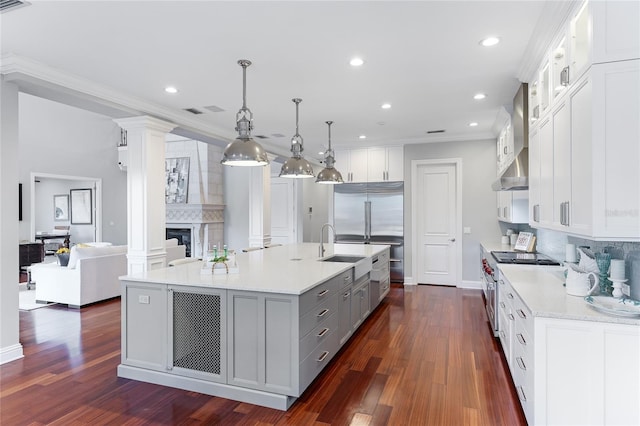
x: 260, y: 335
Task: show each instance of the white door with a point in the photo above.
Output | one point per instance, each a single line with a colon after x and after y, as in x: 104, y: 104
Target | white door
x: 283, y: 212
x: 436, y: 224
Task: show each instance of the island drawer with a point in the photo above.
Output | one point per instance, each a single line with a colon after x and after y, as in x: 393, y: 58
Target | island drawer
x: 312, y: 365
x: 324, y: 291
x: 318, y: 335
x: 318, y: 315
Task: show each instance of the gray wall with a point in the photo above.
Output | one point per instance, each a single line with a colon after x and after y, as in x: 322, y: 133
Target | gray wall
x: 478, y: 199
x: 236, y: 211
x: 63, y: 140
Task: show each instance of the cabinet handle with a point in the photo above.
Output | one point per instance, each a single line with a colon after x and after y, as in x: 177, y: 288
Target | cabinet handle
x: 511, y: 317
x: 566, y: 222
x: 502, y: 335
x: 521, y: 394
x: 502, y: 305
x: 500, y: 282
x: 564, y: 76
x: 344, y: 296
x: 323, y: 332
x: 521, y: 339
x: 510, y: 295
x: 323, y: 356
x: 536, y: 213
x: 521, y: 313
x: 521, y: 363
x: 323, y: 292
x: 322, y: 313
x: 536, y: 112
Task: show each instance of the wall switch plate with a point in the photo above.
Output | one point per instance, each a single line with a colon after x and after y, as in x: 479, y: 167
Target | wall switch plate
x: 467, y: 230
x: 144, y: 299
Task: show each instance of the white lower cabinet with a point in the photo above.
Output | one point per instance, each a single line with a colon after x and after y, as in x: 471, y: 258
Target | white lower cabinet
x: 570, y: 372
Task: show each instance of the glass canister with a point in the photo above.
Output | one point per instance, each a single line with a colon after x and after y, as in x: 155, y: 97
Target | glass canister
x: 603, y: 260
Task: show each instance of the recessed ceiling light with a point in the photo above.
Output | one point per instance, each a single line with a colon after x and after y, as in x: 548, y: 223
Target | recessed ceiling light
x: 356, y: 62
x: 385, y: 106
x: 320, y: 152
x: 490, y: 41
x: 362, y: 136
x: 473, y: 124
x: 479, y: 96
x: 170, y: 89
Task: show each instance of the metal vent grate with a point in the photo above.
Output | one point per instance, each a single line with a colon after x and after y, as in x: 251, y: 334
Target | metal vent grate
x: 193, y: 111
x: 5, y: 5
x: 197, y: 332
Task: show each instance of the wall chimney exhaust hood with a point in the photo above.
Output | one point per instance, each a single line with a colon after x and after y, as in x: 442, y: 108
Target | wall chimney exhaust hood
x: 516, y: 175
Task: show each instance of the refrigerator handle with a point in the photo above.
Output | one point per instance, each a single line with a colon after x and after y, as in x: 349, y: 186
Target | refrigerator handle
x: 367, y: 220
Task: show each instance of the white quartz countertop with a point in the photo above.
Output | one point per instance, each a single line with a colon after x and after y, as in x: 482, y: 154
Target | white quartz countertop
x: 287, y: 269
x: 496, y: 246
x: 541, y: 289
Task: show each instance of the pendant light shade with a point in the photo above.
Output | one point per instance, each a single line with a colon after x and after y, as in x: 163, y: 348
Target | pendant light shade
x: 329, y: 175
x: 244, y: 151
x: 297, y: 166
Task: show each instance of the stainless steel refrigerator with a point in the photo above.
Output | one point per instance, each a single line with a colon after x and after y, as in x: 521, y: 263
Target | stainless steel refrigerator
x: 370, y: 213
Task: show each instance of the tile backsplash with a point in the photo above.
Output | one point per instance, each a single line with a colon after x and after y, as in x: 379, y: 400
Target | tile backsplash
x: 553, y: 244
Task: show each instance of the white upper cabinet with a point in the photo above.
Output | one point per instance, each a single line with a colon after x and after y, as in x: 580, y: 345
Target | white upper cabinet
x: 352, y: 164
x: 584, y: 147
x: 376, y: 164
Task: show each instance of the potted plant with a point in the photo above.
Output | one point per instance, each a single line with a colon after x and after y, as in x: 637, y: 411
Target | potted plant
x: 63, y: 256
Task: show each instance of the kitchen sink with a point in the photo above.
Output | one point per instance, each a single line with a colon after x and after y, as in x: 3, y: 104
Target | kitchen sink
x: 342, y: 258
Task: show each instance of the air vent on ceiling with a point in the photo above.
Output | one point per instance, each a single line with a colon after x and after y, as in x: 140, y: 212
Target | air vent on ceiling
x: 429, y: 132
x: 193, y: 111
x: 214, y: 108
x: 6, y: 5
x: 262, y: 137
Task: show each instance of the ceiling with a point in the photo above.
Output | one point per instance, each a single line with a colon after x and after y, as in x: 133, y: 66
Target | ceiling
x: 422, y: 57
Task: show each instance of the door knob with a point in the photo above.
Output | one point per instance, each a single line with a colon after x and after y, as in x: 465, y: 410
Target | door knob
x: 453, y: 240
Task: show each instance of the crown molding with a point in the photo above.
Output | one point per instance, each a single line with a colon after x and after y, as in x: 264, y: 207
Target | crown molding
x: 37, y: 78
x: 554, y: 16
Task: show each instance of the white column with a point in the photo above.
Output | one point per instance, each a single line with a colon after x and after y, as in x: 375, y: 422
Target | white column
x: 146, y: 208
x: 260, y: 207
x: 10, y: 347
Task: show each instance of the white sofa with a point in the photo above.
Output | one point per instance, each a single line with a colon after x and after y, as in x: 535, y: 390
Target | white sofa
x: 92, y: 274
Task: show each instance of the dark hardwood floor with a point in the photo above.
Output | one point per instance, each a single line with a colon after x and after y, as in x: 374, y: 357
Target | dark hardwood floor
x: 424, y: 357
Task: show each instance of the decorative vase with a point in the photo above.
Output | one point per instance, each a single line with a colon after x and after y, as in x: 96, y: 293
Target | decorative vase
x: 63, y: 259
x: 603, y: 260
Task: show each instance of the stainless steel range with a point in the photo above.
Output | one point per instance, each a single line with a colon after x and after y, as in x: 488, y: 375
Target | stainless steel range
x: 490, y: 275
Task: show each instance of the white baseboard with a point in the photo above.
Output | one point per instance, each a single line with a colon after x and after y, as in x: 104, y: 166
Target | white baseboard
x: 476, y: 285
x: 409, y: 281
x: 11, y: 353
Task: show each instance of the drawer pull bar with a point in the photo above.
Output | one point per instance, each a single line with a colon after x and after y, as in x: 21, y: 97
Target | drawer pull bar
x: 521, y: 394
x: 323, y: 332
x: 502, y: 305
x: 344, y: 296
x: 510, y: 295
x: 521, y: 339
x: 511, y: 317
x: 322, y: 313
x: 323, y: 356
x: 521, y: 313
x: 521, y: 363
x: 323, y: 292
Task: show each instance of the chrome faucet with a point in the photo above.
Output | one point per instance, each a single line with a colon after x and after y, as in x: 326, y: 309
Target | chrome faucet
x: 321, y: 248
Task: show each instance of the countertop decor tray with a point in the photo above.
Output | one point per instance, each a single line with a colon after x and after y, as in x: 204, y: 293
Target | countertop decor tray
x: 610, y: 305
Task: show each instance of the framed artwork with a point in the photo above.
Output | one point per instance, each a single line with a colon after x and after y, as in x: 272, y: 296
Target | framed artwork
x: 177, y: 180
x: 81, y: 207
x: 61, y: 208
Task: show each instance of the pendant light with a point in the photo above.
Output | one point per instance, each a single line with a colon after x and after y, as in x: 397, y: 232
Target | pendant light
x: 244, y: 151
x: 297, y: 166
x: 329, y: 175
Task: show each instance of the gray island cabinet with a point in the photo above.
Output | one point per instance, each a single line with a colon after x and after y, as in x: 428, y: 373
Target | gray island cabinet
x: 260, y: 336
